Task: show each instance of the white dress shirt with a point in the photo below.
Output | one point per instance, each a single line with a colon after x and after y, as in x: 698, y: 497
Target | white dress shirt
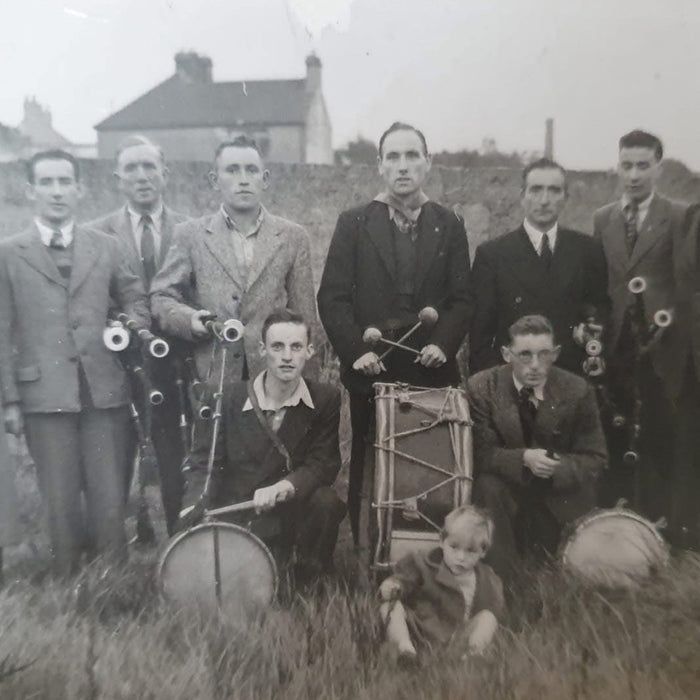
x: 46, y: 232
x: 536, y: 236
x: 156, y: 227
x: 642, y: 208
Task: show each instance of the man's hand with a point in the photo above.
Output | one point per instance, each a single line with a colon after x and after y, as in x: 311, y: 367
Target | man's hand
x: 197, y: 323
x: 586, y: 330
x: 539, y: 464
x: 389, y: 589
x: 14, y: 423
x: 268, y: 497
x: 369, y: 364
x: 432, y: 356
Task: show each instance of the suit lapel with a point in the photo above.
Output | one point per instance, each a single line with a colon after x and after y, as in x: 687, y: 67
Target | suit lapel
x: 268, y: 241
x: 506, y: 415
x: 650, y: 232
x: 564, y: 263
x: 296, y: 423
x: 431, y: 233
x: 525, y: 263
x: 85, y: 254
x: 166, y: 234
x: 547, y: 421
x: 615, y: 238
x: 35, y: 254
x: 379, y: 231
x: 217, y: 240
x: 123, y: 231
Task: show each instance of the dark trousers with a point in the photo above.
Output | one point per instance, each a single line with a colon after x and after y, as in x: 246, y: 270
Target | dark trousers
x: 523, y: 524
x: 310, y: 525
x: 81, y: 457
x: 361, y: 414
x: 643, y: 484
x: 166, y: 437
x: 684, y: 497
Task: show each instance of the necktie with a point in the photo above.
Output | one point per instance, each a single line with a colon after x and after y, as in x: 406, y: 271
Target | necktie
x: 630, y: 212
x: 148, y: 249
x: 545, y: 252
x: 528, y: 412
x: 406, y: 225
x: 57, y: 241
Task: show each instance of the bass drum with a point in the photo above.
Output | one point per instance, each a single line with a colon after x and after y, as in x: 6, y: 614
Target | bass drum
x: 615, y: 547
x: 219, y: 567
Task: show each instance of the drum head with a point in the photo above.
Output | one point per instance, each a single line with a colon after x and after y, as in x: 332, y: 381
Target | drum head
x: 614, y: 548
x: 219, y: 567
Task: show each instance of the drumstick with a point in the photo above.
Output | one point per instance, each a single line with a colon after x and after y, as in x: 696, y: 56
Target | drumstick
x: 397, y: 345
x: 234, y: 508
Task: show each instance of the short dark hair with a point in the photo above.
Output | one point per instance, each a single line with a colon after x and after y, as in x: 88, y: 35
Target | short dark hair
x: 534, y: 324
x: 138, y: 140
x: 402, y: 126
x: 242, y: 141
x: 51, y: 154
x: 284, y: 316
x: 543, y: 164
x: 642, y: 139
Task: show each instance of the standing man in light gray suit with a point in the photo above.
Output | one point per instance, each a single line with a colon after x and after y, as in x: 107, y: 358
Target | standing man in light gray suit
x: 241, y: 262
x: 145, y: 226
x: 57, y: 283
x: 640, y: 234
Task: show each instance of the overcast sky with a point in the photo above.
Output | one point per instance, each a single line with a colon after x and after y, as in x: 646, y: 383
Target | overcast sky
x: 460, y: 69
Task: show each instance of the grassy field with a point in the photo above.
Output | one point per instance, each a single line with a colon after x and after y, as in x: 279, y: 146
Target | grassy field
x: 108, y: 634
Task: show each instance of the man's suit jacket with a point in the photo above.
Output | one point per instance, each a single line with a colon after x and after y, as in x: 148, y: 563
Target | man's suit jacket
x: 359, y: 287
x: 509, y: 280
x: 247, y: 459
x: 653, y: 259
x: 687, y: 270
x: 118, y: 223
x: 200, y: 272
x: 50, y: 326
x: 567, y: 421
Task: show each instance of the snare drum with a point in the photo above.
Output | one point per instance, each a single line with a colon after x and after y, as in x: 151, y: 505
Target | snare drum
x: 613, y: 547
x: 422, y: 468
x: 219, y: 567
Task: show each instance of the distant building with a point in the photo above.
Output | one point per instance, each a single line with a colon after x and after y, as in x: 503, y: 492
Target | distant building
x: 189, y: 115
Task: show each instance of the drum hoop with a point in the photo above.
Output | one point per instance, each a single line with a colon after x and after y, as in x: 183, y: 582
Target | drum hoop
x: 602, y: 514
x: 224, y: 526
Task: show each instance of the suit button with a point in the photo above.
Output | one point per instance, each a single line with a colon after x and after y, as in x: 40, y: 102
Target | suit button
x: 234, y: 297
x: 75, y: 325
x: 237, y: 355
x: 518, y: 300
x: 73, y: 358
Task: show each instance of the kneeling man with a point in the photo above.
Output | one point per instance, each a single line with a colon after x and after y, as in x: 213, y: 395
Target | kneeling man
x: 538, y: 444
x: 279, y: 447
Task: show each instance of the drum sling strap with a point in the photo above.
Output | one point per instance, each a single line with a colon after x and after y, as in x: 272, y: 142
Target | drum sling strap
x: 279, y: 445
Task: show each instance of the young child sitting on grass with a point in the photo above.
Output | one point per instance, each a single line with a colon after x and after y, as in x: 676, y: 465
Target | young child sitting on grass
x: 446, y: 595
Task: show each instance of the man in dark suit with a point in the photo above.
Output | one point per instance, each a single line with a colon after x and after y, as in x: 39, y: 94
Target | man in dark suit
x: 640, y: 234
x: 684, y: 509
x: 279, y: 447
x: 57, y: 283
x: 538, y: 444
x: 540, y: 268
x: 145, y: 226
x: 387, y: 260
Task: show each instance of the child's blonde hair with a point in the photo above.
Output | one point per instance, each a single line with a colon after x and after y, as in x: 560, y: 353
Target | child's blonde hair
x: 473, y: 521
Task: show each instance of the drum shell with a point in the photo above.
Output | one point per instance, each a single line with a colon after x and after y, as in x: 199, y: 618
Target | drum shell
x: 242, y: 584
x: 615, y: 548
x: 422, y: 442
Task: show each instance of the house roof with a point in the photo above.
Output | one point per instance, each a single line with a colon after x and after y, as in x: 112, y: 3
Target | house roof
x: 176, y: 103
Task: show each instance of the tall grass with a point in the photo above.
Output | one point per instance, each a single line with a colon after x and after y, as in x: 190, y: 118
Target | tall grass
x: 108, y: 634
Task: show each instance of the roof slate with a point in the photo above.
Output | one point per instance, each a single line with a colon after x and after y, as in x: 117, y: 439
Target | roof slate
x: 175, y: 103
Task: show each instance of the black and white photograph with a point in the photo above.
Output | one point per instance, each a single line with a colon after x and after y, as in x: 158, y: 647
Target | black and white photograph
x: 349, y: 349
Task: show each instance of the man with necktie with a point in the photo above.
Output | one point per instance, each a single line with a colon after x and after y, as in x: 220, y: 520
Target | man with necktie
x: 145, y: 225
x: 387, y: 260
x: 538, y: 444
x: 540, y: 268
x: 58, y: 281
x: 640, y: 234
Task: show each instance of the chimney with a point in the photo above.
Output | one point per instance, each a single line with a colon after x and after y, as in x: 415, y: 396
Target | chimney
x: 313, y: 73
x: 549, y: 139
x: 190, y: 67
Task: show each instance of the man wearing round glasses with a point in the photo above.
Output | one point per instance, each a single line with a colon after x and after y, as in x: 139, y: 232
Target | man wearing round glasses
x: 538, y: 444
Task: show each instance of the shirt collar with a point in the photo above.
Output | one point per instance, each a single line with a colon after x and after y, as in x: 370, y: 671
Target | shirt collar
x: 411, y: 210
x: 538, y: 390
x: 47, y: 231
x: 535, y: 235
x: 301, y: 394
x: 156, y: 217
x: 232, y: 224
x: 642, y: 207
